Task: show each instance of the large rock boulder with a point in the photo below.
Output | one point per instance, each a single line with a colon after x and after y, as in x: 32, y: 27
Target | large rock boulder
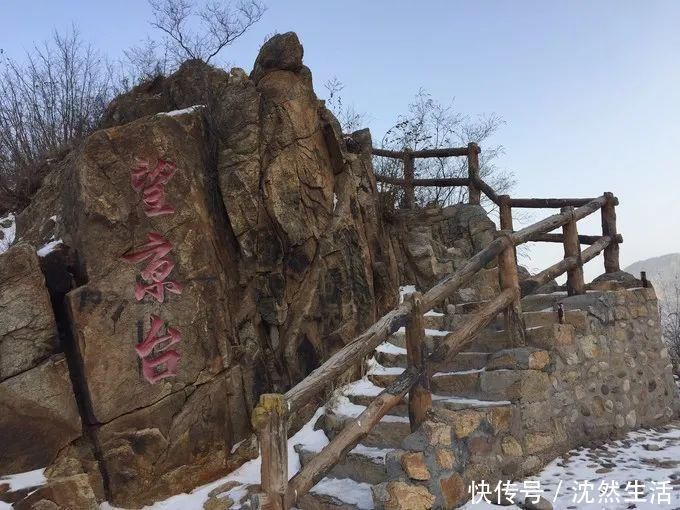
x: 28, y: 333
x: 38, y: 411
x: 217, y: 241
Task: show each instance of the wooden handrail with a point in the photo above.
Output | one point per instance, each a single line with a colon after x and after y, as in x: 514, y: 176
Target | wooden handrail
x: 548, y: 203
x: 350, y: 436
x: 582, y: 239
x: 426, y: 153
x: 561, y: 267
x: 270, y: 416
x: 437, y: 181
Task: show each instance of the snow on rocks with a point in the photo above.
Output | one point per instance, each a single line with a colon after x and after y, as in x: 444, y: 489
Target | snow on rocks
x: 8, y: 230
x: 183, y: 111
x: 49, y: 247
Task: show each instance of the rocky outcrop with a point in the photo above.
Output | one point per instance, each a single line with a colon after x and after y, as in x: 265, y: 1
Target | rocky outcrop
x: 216, y: 240
x: 433, y: 242
x: 38, y: 412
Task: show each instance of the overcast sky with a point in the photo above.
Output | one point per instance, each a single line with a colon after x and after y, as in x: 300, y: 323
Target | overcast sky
x: 589, y: 90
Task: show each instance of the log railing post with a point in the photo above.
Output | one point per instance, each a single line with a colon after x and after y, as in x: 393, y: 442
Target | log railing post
x: 409, y: 176
x: 474, y: 194
x: 505, y: 213
x: 420, y: 397
x: 509, y: 279
x: 269, y: 419
x: 611, y: 252
x: 572, y: 248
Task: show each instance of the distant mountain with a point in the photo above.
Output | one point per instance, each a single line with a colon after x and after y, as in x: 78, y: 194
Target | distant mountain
x: 662, y: 271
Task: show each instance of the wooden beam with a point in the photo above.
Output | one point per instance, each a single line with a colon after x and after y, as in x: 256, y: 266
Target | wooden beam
x: 509, y: 280
x: 409, y: 191
x: 355, y: 351
x: 443, y: 182
x: 420, y: 397
x: 474, y: 195
x: 531, y: 284
x: 426, y: 153
x: 349, y: 437
x: 269, y: 419
x: 487, y: 190
x: 559, y: 238
x: 449, y: 346
x: 611, y: 253
x: 572, y: 248
x: 548, y: 203
x: 451, y: 283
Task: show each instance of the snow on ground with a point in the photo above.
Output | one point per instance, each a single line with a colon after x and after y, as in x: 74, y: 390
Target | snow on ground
x: 247, y: 474
x: 20, y: 481
x: 8, y: 232
x: 645, y: 465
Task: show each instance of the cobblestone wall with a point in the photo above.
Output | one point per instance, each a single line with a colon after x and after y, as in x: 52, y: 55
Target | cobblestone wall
x: 606, y: 371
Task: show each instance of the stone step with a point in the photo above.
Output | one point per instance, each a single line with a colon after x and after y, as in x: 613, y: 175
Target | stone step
x: 520, y: 358
x: 362, y: 464
x: 536, y: 302
x: 435, y: 321
x: 389, y: 355
x: 487, y: 341
x: 388, y: 433
x: 453, y: 403
x: 576, y: 318
x: 514, y: 385
x: 457, y: 383
x: 337, y: 494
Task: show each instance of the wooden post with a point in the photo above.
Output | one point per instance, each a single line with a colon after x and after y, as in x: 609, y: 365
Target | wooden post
x: 420, y: 397
x: 611, y: 252
x: 474, y: 194
x: 269, y: 421
x: 505, y: 213
x: 572, y: 248
x: 409, y: 176
x: 507, y: 274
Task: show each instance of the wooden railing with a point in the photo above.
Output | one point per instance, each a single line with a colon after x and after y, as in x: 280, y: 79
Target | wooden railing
x: 270, y: 417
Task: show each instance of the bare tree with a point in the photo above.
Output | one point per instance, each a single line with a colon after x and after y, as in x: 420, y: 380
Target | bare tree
x: 54, y: 97
x: 219, y: 25
x: 429, y: 124
x: 350, y: 119
x: 669, y: 308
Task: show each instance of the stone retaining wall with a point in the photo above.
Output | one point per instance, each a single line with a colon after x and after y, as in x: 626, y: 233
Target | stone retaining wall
x: 607, y: 371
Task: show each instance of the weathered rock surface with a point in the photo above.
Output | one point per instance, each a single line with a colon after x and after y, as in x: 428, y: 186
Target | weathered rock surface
x: 38, y: 416
x: 28, y: 333
x: 433, y: 242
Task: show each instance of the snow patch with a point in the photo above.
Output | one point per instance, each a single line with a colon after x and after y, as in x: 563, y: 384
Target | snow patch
x: 184, y: 111
x: 49, y: 248
x: 25, y: 480
x: 389, y: 348
x: 8, y: 232
x: 346, y: 490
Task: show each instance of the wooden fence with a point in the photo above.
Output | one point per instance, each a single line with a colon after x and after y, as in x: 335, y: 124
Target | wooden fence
x: 270, y: 417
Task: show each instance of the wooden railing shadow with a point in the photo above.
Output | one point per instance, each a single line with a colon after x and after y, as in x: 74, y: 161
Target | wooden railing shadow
x: 270, y: 417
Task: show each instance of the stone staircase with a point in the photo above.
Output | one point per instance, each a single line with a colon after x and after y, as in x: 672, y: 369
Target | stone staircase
x: 483, y: 385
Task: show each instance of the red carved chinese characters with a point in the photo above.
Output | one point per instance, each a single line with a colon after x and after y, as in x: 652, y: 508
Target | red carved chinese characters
x: 158, y: 361
x: 150, y: 183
